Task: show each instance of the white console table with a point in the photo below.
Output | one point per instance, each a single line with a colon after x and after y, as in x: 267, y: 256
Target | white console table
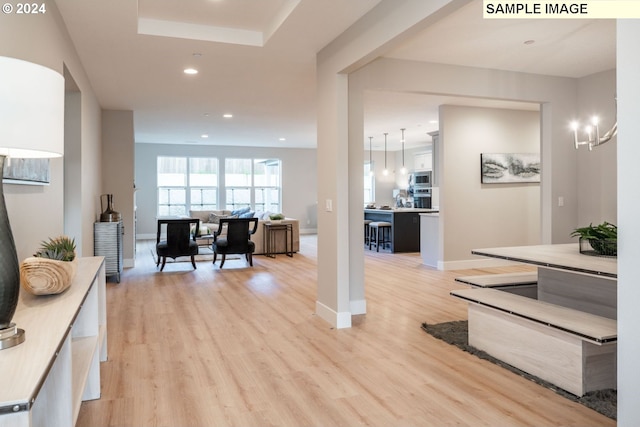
x: 44, y: 380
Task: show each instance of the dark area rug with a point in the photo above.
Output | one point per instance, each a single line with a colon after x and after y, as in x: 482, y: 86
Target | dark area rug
x: 455, y: 333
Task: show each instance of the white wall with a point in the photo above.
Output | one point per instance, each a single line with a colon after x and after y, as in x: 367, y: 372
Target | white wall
x: 299, y: 179
x: 597, y: 177
x: 118, y: 173
x: 37, y: 212
x: 475, y: 215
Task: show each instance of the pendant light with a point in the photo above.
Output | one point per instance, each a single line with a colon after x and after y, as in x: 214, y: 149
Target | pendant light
x: 370, y: 161
x: 404, y: 169
x: 385, y: 171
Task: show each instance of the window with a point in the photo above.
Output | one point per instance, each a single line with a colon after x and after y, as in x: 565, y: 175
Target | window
x: 369, y: 183
x: 186, y: 183
x: 253, y: 183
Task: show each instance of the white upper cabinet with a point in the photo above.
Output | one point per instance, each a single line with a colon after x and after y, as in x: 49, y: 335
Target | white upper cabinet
x: 423, y: 161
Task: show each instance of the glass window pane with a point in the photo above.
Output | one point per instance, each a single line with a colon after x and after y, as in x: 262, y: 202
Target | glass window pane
x: 266, y: 173
x: 273, y: 200
x: 369, y: 183
x: 177, y: 210
x: 238, y: 198
x: 172, y: 171
x: 203, y: 172
x: 201, y: 197
x: 237, y: 172
x: 267, y: 199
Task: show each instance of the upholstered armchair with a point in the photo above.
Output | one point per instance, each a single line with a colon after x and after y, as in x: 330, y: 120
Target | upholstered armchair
x: 179, y: 240
x: 237, y: 239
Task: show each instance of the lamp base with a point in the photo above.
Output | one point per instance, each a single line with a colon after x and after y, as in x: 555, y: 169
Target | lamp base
x: 11, y: 336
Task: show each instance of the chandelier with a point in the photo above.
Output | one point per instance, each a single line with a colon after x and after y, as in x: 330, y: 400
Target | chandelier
x: 592, y: 134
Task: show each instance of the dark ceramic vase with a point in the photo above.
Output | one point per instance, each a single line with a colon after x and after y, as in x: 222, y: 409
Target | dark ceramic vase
x: 9, y: 267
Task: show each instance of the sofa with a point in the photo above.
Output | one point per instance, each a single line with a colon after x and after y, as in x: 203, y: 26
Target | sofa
x: 208, y: 223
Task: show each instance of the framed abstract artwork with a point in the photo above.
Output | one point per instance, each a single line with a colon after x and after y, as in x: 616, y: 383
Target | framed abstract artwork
x: 509, y: 168
x: 26, y: 171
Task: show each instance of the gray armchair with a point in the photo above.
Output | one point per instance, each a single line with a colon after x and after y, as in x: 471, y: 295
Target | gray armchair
x: 180, y: 241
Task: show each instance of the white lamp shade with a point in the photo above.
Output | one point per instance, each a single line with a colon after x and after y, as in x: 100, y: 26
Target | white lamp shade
x: 31, y: 110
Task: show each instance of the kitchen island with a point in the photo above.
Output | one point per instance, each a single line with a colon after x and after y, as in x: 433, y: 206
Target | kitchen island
x: 405, y: 226
x: 429, y: 241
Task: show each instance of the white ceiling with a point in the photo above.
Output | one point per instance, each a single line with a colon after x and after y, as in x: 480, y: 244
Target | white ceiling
x: 256, y: 60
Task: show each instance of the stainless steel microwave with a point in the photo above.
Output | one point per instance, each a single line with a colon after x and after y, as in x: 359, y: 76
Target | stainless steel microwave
x: 422, y: 179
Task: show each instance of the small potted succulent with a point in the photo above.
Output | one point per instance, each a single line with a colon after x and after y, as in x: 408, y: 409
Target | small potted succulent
x: 601, y: 239
x: 51, y: 269
x: 276, y: 218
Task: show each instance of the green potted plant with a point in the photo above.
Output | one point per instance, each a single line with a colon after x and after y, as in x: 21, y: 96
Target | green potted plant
x: 51, y: 269
x: 276, y: 218
x: 602, y: 238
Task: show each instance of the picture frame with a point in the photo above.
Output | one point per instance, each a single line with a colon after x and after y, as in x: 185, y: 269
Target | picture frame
x: 26, y: 172
x: 509, y: 168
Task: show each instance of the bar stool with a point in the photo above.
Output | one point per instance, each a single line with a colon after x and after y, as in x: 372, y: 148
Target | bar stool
x: 380, y: 232
x: 366, y: 231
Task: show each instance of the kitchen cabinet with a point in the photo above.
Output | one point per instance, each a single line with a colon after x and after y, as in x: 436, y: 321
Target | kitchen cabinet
x: 423, y: 161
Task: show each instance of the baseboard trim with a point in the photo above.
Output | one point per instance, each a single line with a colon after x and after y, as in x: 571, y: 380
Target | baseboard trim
x: 337, y: 320
x: 473, y: 263
x: 358, y: 307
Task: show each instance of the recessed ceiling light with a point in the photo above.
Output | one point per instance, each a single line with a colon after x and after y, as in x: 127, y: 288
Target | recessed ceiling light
x: 190, y: 71
x: 197, y: 55
x: 433, y: 122
x: 204, y: 135
x: 529, y: 41
x: 227, y: 116
x: 282, y: 139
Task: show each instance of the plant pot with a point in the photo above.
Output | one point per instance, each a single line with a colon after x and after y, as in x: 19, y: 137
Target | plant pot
x: 43, y: 276
x: 602, y: 247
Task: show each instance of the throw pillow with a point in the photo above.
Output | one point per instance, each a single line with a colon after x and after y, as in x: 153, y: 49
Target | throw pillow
x: 247, y: 215
x: 215, y: 218
x: 240, y: 211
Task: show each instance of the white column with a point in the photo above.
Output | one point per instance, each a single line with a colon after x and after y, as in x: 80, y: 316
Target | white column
x: 628, y: 92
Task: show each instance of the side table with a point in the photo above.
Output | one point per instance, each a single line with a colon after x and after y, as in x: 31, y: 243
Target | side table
x: 270, y: 238
x: 208, y: 238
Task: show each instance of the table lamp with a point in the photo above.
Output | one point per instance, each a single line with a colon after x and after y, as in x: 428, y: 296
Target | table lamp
x: 31, y: 126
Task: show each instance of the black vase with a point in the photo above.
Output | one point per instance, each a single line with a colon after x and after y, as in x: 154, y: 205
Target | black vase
x: 9, y: 267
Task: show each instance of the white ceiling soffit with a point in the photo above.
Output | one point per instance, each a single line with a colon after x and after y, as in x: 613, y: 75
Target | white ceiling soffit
x: 241, y: 22
x: 569, y: 47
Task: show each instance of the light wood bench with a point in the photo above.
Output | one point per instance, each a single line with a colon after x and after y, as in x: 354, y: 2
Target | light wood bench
x: 572, y: 349
x: 525, y: 284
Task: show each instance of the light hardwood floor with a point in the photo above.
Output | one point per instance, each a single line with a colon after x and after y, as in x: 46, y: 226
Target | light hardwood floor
x: 242, y: 347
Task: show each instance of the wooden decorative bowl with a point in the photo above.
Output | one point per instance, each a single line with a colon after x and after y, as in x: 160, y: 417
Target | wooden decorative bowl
x: 43, y: 276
